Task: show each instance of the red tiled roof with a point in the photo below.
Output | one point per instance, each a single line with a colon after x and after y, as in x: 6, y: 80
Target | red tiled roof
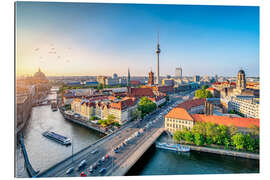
x: 122, y: 104
x: 140, y: 92
x: 210, y: 89
x: 226, y: 120
x: 134, y: 82
x: 191, y: 103
x: 179, y: 113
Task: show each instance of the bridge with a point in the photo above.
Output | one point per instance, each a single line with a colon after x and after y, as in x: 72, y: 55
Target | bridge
x: 120, y: 162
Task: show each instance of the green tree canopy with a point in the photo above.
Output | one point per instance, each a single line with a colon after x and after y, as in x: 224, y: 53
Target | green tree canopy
x: 198, y: 139
x: 238, y: 140
x: 146, y: 105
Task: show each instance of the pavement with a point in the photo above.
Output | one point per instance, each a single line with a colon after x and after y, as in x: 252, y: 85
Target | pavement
x: 108, y: 143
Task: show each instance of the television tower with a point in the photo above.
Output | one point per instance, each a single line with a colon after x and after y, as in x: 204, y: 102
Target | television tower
x: 158, y: 51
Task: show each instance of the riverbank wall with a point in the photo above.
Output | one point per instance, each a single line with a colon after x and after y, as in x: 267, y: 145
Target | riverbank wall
x: 225, y: 152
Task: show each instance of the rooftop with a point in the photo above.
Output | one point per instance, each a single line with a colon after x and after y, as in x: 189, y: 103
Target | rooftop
x: 226, y: 120
x: 191, y: 103
x: 179, y: 113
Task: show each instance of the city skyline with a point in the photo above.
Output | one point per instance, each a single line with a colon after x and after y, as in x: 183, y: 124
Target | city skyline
x: 66, y: 39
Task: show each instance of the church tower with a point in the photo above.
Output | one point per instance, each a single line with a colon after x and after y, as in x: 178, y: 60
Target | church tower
x: 241, y: 80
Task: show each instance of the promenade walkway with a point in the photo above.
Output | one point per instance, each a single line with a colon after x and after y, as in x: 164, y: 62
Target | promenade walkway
x: 29, y: 167
x: 225, y: 152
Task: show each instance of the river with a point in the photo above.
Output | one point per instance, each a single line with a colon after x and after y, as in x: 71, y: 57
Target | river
x: 44, y: 153
x: 163, y: 162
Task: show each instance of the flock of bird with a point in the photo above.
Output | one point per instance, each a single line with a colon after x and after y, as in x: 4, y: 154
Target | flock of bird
x: 52, y: 51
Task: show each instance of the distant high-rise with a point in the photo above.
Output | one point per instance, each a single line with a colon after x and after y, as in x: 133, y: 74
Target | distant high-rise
x: 158, y: 51
x: 115, y: 76
x: 178, y: 73
x: 196, y: 78
x: 128, y: 80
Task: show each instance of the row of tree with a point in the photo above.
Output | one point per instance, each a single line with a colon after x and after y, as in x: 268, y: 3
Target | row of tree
x: 227, y: 136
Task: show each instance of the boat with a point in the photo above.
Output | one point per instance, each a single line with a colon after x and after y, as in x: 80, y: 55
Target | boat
x: 173, y: 147
x: 57, y: 137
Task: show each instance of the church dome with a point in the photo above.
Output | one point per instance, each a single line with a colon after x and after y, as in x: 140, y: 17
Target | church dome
x: 241, y: 71
x: 40, y: 76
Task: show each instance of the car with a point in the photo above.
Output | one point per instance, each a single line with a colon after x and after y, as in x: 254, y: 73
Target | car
x: 91, y: 169
x: 83, y: 174
x: 81, y: 165
x: 70, y: 170
x: 94, y: 152
x: 102, y: 170
x: 99, y: 162
x: 116, y: 151
x: 95, y: 166
x: 103, y: 159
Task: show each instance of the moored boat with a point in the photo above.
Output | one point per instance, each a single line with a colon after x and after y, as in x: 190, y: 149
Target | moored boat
x: 173, y: 147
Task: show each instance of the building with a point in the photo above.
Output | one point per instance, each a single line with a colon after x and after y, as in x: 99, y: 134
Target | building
x: 178, y: 73
x: 115, y: 76
x: 245, y: 105
x: 193, y: 106
x: 168, y: 82
x: 101, y: 79
x: 178, y: 118
x: 123, y: 110
x: 135, y: 83
x: 128, y: 79
x: 196, y: 78
x: 229, y: 89
x: 214, y: 92
x: 111, y: 81
x: 158, y: 100
x: 151, y: 78
x: 23, y: 108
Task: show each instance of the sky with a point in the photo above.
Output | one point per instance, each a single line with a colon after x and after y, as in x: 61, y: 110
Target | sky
x: 91, y: 39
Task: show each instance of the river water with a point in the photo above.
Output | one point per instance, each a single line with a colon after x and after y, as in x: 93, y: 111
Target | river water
x: 163, y: 162
x: 44, y: 153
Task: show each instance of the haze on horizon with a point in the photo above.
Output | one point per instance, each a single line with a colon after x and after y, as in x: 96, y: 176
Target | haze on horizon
x: 93, y: 39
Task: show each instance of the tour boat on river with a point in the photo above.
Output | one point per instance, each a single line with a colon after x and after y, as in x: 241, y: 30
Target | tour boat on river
x: 57, y: 137
x: 173, y: 147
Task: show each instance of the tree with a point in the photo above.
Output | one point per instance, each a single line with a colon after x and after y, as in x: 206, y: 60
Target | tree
x: 203, y: 93
x: 146, y: 105
x: 205, y: 86
x: 100, y: 86
x: 226, y: 143
x: 223, y: 133
x: 209, y: 140
x: 249, y: 143
x: 177, y: 136
x: 232, y: 130
x: 254, y: 130
x: 238, y: 140
x: 187, y: 135
x: 198, y: 139
x: 199, y: 128
x: 110, y: 119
